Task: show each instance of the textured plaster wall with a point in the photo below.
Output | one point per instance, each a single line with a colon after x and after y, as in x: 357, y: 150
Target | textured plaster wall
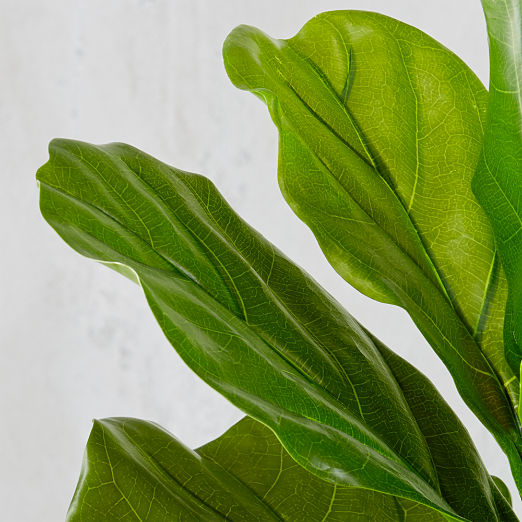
x: 77, y: 340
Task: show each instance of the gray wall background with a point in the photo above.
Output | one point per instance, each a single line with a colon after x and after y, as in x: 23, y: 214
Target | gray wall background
x: 77, y: 340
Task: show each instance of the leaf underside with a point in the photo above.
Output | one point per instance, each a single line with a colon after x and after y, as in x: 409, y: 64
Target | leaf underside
x: 263, y: 333
x: 380, y: 132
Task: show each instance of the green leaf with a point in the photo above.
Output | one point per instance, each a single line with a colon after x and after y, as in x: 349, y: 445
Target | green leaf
x: 498, y: 180
x: 502, y: 488
x: 434, y: 416
x: 261, y: 331
x: 136, y: 470
x: 254, y: 455
x: 520, y: 401
x: 380, y: 131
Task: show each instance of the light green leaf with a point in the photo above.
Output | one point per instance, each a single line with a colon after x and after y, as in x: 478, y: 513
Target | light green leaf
x: 262, y: 332
x: 520, y: 402
x: 135, y: 470
x: 498, y: 181
x: 380, y: 131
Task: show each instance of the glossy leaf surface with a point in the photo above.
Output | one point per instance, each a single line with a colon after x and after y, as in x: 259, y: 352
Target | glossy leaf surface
x: 261, y: 331
x: 135, y: 470
x: 380, y: 132
x: 498, y: 181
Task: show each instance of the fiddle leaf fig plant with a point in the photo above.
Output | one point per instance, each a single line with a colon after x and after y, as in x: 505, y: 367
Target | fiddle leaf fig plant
x: 380, y: 134
x: 381, y: 139
x: 260, y: 331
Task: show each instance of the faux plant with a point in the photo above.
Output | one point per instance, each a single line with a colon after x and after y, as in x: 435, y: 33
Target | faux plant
x: 409, y: 174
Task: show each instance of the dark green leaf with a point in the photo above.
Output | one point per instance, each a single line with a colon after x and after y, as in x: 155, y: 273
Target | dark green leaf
x: 135, y: 470
x: 261, y: 332
x: 498, y: 181
x: 434, y: 416
x: 503, y: 489
x: 380, y: 131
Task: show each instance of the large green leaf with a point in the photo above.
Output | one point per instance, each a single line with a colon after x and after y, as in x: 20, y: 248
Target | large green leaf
x: 380, y: 131
x: 261, y: 332
x: 498, y: 181
x: 135, y: 470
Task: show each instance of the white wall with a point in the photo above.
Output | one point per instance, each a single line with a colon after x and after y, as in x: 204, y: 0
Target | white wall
x: 77, y: 339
